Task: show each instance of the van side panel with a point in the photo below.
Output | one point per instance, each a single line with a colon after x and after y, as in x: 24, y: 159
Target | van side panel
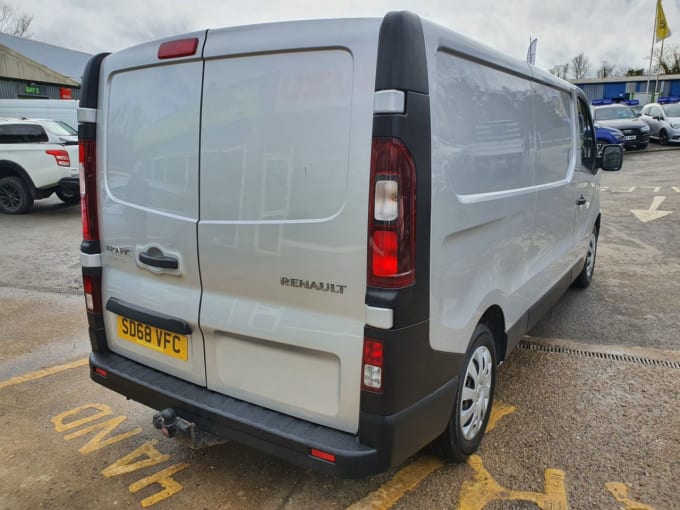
x: 483, y: 199
x: 285, y: 158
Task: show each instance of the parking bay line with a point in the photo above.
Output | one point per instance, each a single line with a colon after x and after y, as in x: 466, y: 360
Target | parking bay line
x: 39, y: 374
x: 413, y: 474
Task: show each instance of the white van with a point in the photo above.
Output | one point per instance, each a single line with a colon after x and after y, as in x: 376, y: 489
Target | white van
x: 62, y: 110
x: 320, y: 238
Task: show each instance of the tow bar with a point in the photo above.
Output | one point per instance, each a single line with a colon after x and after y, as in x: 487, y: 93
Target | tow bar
x: 184, y: 431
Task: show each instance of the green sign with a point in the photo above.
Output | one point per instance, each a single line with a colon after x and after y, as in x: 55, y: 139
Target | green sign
x: 32, y: 89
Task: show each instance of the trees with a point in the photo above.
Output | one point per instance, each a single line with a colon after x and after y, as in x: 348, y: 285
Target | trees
x: 14, y: 22
x: 670, y: 64
x: 606, y: 69
x: 560, y: 70
x: 580, y: 65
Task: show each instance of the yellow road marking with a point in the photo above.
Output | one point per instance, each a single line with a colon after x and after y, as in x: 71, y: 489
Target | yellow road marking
x: 620, y: 493
x: 39, y: 374
x: 476, y: 495
x: 405, y: 480
x: 410, y: 476
x: 126, y: 465
x: 498, y: 411
x: 164, y: 478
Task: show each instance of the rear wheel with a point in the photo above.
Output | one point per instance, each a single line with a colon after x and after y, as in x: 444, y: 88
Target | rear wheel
x: 474, y: 398
x: 69, y: 198
x: 586, y: 275
x: 15, y: 197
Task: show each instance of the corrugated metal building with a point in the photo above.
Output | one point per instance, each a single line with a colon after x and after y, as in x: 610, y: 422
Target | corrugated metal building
x: 32, y: 69
x: 631, y: 87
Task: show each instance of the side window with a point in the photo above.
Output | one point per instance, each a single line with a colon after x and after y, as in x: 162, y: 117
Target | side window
x: 586, y: 138
x: 22, y: 133
x: 483, y: 127
x: 553, y: 118
x: 655, y: 111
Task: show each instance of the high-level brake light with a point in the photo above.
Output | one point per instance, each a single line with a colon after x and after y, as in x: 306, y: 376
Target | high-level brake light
x: 178, y: 48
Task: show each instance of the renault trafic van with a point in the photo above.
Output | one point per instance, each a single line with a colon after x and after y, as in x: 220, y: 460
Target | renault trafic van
x: 320, y: 238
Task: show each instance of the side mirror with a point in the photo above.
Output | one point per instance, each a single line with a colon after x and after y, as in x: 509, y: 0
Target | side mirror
x: 611, y: 158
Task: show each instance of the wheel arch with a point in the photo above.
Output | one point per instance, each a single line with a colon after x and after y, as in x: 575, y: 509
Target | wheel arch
x: 12, y: 169
x: 494, y: 318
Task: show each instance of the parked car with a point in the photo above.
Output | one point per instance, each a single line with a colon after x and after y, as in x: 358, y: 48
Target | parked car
x: 606, y: 135
x: 619, y: 116
x: 34, y: 156
x: 663, y: 121
x: 339, y: 297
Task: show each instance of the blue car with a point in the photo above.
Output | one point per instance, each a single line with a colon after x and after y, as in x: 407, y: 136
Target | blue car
x: 608, y: 135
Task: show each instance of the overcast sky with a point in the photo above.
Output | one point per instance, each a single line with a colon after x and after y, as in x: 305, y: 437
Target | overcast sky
x: 618, y: 31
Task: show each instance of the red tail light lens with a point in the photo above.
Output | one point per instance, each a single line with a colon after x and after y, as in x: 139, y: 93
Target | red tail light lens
x: 61, y: 156
x: 372, y: 368
x: 88, y: 189
x: 391, y: 222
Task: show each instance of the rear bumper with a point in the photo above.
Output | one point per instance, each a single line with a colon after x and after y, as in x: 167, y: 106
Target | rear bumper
x: 274, y: 433
x: 70, y: 184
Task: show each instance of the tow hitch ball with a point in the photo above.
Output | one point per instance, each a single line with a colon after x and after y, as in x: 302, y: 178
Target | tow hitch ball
x: 166, y: 422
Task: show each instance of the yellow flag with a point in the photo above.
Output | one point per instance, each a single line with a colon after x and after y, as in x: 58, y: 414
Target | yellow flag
x: 662, y: 30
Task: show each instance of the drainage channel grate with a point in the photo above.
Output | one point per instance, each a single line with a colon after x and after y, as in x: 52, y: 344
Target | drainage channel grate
x: 525, y: 346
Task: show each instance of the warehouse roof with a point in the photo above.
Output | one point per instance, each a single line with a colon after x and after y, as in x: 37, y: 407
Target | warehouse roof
x: 66, y: 62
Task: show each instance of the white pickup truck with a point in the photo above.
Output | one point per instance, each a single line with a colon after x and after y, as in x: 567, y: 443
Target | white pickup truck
x: 35, y: 155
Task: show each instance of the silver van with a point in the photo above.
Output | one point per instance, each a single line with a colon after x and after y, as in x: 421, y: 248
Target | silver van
x: 320, y: 238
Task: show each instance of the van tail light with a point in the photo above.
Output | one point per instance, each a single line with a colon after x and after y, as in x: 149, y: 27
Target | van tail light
x: 391, y: 222
x: 92, y: 286
x: 88, y: 189
x: 61, y: 156
x: 372, y: 366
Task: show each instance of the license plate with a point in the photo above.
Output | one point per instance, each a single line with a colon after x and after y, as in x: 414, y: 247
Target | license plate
x: 630, y: 137
x: 166, y: 342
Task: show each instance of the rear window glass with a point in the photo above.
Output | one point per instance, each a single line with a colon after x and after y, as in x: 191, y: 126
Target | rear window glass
x: 22, y: 133
x: 152, y: 126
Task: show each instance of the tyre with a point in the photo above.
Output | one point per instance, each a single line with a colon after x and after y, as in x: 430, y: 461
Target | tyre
x: 586, y: 275
x: 663, y: 137
x: 68, y: 198
x: 643, y: 146
x: 474, y: 398
x: 15, y: 197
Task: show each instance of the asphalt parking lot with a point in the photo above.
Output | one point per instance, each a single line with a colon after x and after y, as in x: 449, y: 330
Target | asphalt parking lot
x: 587, y: 411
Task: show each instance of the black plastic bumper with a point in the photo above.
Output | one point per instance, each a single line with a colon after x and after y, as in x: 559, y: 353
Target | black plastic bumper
x: 70, y: 184
x: 274, y: 433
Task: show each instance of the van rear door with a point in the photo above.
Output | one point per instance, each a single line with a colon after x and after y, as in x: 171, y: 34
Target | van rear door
x: 285, y: 160
x: 148, y: 136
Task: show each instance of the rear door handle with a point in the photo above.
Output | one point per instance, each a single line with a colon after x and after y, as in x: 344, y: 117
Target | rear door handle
x: 155, y: 258
x: 581, y: 200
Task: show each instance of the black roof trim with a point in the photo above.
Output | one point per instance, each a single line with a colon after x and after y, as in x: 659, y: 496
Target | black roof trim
x: 89, y: 91
x: 402, y: 61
